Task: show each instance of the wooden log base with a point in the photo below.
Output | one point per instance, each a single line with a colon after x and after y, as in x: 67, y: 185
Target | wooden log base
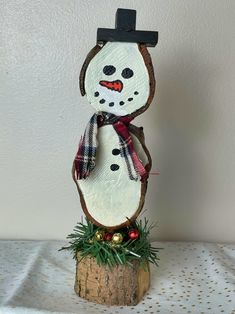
x: 121, y: 285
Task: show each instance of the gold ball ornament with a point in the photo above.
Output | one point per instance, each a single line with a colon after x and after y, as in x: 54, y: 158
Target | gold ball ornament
x: 99, y: 235
x: 117, y: 238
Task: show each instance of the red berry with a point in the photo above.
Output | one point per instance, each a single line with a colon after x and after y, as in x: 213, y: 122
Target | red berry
x: 108, y: 236
x: 133, y: 234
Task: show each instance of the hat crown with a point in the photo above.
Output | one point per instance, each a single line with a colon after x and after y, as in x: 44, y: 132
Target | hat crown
x: 125, y: 19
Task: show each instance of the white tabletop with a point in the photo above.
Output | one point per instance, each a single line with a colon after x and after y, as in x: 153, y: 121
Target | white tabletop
x: 191, y: 278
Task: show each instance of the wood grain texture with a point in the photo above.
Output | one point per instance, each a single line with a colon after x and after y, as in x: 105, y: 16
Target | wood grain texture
x: 122, y: 285
x: 89, y: 57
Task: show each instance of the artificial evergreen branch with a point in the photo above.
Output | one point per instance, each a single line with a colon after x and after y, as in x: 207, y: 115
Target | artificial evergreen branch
x: 84, y: 241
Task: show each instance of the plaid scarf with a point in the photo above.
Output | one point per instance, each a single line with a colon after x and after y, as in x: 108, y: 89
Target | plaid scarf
x: 85, y: 158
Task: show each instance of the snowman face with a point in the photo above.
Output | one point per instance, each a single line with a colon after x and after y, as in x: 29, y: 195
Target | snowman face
x: 117, y: 80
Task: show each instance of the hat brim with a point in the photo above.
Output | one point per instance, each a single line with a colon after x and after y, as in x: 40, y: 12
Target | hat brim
x: 148, y: 38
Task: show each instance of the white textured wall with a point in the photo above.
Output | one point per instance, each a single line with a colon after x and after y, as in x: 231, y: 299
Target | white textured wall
x: 189, y: 127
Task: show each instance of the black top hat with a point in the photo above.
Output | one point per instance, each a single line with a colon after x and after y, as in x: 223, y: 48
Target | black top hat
x: 125, y: 30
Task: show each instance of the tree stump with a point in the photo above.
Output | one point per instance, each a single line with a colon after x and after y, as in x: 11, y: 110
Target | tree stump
x: 121, y: 285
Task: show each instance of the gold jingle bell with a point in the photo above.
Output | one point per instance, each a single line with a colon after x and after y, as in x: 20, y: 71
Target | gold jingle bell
x: 117, y: 238
x: 99, y: 235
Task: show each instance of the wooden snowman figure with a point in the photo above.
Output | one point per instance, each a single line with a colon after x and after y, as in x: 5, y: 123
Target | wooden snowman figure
x: 112, y: 164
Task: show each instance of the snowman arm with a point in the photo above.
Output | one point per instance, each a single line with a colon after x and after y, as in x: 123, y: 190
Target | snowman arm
x: 138, y: 139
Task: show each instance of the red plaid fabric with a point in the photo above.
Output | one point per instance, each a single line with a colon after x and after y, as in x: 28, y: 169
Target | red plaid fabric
x: 85, y: 158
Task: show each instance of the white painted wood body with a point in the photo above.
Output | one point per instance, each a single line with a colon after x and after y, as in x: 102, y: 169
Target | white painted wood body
x: 110, y: 195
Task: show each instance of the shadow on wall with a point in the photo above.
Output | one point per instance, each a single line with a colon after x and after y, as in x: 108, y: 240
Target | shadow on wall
x: 180, y: 119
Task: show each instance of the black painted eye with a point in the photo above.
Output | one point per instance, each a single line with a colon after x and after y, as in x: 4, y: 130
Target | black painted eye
x: 127, y: 73
x: 109, y: 69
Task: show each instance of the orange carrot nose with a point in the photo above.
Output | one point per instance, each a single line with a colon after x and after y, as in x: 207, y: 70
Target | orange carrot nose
x: 114, y: 85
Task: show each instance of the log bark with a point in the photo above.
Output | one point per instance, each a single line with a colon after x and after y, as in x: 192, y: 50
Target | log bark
x: 121, y: 285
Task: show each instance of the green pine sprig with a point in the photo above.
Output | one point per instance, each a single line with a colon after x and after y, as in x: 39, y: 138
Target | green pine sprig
x: 83, y: 240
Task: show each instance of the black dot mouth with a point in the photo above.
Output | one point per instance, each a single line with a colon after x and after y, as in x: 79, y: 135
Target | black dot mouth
x: 111, y: 104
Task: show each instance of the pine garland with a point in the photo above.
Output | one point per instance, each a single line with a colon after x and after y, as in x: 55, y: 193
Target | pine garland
x: 85, y: 241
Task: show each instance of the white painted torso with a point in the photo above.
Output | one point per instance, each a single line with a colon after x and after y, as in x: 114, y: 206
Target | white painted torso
x: 108, y: 191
